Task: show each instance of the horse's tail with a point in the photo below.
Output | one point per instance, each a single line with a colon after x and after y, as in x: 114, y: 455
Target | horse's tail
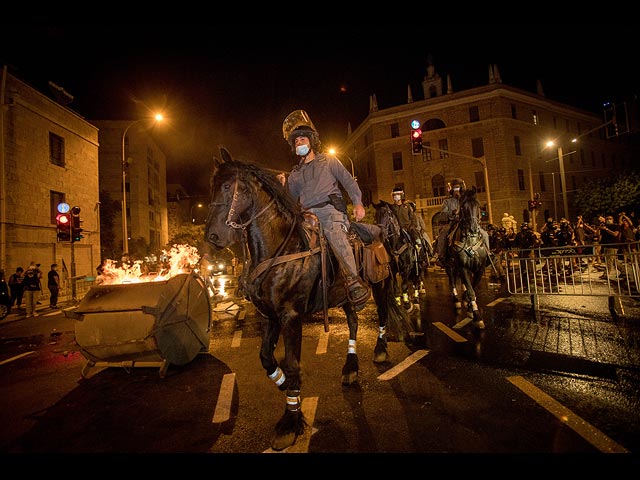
x: 391, y: 315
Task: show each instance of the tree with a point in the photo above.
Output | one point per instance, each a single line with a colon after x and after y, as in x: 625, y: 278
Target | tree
x: 609, y: 195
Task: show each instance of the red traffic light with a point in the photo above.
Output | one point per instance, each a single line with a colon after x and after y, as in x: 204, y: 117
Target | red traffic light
x: 63, y: 226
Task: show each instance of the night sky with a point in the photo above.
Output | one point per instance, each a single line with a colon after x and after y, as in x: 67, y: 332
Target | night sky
x: 233, y: 85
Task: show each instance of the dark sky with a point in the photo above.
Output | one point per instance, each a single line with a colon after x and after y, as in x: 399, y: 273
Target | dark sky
x: 234, y: 84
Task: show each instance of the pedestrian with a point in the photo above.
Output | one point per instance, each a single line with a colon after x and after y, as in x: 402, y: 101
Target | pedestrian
x: 32, y: 289
x: 16, y: 287
x: 609, y: 240
x: 5, y: 296
x: 53, y: 283
x: 315, y: 183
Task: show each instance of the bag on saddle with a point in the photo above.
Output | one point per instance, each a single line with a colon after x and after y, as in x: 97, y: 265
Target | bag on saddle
x: 376, y: 262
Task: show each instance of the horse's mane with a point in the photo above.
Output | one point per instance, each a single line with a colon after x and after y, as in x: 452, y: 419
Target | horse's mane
x: 469, y: 210
x: 268, y: 182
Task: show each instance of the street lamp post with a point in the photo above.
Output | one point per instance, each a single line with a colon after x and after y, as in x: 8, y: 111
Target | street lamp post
x: 125, y: 237
x: 563, y: 181
x: 483, y: 161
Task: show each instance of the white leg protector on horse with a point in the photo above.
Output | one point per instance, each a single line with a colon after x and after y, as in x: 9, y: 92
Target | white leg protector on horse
x: 278, y: 376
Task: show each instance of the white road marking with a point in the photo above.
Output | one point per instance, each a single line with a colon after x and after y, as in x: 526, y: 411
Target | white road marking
x: 225, y: 399
x: 403, y: 365
x: 587, y: 431
x: 8, y: 360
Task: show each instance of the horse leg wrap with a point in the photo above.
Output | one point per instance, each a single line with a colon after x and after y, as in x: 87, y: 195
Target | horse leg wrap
x: 278, y: 376
x: 293, y: 400
x: 352, y: 346
x: 381, y: 331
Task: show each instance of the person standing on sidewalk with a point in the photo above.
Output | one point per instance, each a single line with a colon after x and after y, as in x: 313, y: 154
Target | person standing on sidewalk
x: 16, y: 288
x: 31, y: 284
x: 53, y: 283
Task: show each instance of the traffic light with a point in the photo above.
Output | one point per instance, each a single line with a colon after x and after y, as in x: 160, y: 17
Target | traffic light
x: 76, y: 230
x: 416, y: 141
x: 63, y: 226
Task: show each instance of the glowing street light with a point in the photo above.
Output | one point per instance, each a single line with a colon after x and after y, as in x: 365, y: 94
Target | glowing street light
x: 563, y: 182
x: 158, y: 117
x: 332, y: 151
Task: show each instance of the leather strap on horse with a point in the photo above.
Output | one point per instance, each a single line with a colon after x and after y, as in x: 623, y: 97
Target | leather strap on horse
x: 323, y: 263
x: 266, y: 264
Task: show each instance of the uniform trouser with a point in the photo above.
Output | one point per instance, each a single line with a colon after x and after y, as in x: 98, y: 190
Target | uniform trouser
x: 53, y: 299
x: 335, y: 226
x: 31, y: 300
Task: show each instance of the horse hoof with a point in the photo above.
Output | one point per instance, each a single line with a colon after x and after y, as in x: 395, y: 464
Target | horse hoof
x: 349, y: 378
x: 381, y: 357
x: 479, y: 324
x: 282, y: 441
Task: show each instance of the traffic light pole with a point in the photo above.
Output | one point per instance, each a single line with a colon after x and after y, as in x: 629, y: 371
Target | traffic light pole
x: 73, y: 272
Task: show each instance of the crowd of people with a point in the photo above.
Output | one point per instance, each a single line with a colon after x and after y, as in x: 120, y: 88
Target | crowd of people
x: 25, y: 287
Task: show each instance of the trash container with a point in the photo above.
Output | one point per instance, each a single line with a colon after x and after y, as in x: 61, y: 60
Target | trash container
x: 144, y: 324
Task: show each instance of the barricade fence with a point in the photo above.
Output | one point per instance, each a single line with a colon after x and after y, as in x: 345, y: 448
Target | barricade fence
x: 612, y: 270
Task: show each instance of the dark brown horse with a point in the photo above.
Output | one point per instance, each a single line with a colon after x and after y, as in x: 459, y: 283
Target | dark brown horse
x: 283, y: 277
x: 467, y: 255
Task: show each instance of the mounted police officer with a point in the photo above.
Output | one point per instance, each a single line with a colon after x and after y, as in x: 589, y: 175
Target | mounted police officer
x: 450, y: 209
x: 315, y: 182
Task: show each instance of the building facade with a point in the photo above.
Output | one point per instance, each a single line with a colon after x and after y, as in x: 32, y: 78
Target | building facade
x: 494, y: 137
x: 48, y: 156
x: 145, y: 180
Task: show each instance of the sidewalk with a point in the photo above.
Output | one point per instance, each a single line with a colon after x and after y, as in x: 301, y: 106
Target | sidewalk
x: 17, y: 325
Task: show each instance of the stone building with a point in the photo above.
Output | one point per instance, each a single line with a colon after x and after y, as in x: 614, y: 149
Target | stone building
x: 145, y: 180
x: 48, y: 156
x: 493, y: 137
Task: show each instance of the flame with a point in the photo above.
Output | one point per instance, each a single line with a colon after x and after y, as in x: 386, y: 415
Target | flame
x: 179, y: 259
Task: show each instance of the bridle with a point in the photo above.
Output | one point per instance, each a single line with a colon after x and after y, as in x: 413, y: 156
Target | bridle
x: 232, y: 211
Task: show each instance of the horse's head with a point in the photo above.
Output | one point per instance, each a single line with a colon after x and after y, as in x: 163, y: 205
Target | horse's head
x: 388, y: 223
x: 226, y: 190
x: 240, y: 193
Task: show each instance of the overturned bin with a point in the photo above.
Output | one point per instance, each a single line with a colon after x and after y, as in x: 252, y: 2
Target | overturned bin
x: 146, y: 324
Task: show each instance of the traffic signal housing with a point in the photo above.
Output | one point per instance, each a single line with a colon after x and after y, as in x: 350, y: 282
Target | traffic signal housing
x: 76, y: 230
x: 416, y: 141
x: 63, y: 227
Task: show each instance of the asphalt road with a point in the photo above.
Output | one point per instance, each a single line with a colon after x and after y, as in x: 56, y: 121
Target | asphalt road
x: 526, y: 384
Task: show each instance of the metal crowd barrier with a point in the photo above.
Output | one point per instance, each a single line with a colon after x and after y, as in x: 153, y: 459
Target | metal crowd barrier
x: 573, y: 270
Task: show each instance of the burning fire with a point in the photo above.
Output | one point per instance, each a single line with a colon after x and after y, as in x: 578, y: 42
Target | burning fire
x: 179, y: 259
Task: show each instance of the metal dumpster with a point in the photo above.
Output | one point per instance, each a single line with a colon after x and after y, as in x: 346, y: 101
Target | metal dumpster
x: 144, y: 324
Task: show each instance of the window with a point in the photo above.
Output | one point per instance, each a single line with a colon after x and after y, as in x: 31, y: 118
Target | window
x: 395, y: 130
x: 521, y: 179
x: 477, y: 147
x: 56, y: 149
x: 443, y: 145
x: 479, y: 182
x: 474, y: 114
x: 55, y: 199
x: 397, y: 161
x: 427, y: 155
x: 516, y: 141
x: 437, y: 185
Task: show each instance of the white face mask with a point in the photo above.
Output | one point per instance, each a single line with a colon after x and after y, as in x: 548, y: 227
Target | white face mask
x: 302, y: 150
